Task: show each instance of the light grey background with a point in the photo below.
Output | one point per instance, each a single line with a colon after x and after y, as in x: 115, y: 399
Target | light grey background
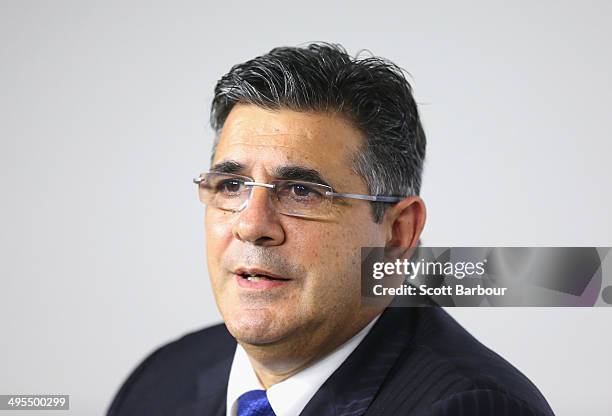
x: 104, y: 112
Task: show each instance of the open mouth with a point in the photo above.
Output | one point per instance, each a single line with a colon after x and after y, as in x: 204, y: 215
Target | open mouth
x: 258, y: 277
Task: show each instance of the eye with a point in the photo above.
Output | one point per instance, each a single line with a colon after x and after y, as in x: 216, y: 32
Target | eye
x: 229, y: 186
x: 302, y: 190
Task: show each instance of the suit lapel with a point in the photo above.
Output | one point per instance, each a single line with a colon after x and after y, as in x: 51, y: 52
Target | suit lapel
x: 353, y: 386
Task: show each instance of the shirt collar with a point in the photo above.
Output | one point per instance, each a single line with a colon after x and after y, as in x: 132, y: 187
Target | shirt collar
x: 290, y: 396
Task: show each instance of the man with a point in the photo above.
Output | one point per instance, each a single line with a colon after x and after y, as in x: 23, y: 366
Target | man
x: 317, y: 155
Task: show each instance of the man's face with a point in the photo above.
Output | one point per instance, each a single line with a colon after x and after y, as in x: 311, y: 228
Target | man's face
x: 318, y: 260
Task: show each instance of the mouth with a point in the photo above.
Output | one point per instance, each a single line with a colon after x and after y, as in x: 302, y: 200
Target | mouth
x: 259, y: 279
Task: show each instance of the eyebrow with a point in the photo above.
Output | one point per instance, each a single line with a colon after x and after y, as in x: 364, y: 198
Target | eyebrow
x: 300, y: 173
x: 228, y: 166
x: 289, y: 172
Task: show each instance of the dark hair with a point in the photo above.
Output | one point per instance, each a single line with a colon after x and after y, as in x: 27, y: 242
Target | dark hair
x: 372, y: 92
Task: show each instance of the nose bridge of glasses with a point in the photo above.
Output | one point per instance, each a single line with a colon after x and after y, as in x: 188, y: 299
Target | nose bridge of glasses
x: 264, y: 185
x: 251, y: 185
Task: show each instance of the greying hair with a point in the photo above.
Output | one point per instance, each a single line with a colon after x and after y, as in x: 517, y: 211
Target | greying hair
x: 372, y: 92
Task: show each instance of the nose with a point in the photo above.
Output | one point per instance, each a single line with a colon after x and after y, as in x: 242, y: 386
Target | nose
x: 259, y: 223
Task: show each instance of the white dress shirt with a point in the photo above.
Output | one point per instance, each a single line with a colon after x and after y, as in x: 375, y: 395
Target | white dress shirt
x: 290, y: 396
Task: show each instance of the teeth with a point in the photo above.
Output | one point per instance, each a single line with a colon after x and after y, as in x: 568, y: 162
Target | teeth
x: 256, y: 278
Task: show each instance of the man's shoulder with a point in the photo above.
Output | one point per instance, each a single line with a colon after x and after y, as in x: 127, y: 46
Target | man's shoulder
x: 197, y: 350
x: 445, y: 342
x: 446, y: 364
x: 170, y: 374
x: 214, y: 339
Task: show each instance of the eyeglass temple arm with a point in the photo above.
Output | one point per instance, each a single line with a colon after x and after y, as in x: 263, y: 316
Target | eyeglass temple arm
x: 374, y: 198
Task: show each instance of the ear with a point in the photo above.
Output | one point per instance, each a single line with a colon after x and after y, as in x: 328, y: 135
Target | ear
x: 406, y: 220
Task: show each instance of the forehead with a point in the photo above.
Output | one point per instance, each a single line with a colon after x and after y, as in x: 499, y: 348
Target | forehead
x: 255, y: 137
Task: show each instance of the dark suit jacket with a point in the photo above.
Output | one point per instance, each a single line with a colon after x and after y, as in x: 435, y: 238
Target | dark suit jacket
x: 414, y: 361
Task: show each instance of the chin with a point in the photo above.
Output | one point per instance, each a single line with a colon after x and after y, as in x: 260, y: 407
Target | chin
x: 263, y: 326
x: 255, y: 326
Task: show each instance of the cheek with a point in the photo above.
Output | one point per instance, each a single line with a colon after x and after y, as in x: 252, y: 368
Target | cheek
x: 218, y: 230
x: 331, y: 252
x: 335, y: 249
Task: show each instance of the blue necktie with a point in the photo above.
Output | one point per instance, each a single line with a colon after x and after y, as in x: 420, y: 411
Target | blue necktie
x: 254, y: 403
